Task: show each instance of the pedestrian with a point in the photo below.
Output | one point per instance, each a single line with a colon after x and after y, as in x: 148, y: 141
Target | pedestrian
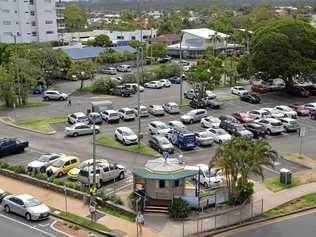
x: 69, y: 102
x: 49, y: 174
x: 93, y: 191
x: 93, y: 211
x: 140, y: 221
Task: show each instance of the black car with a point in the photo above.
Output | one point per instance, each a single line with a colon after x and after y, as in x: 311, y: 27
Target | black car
x: 250, y: 98
x: 257, y: 129
x: 161, y: 144
x: 121, y: 91
x: 198, y: 104
x: 10, y: 146
x: 235, y: 129
x: 213, y: 103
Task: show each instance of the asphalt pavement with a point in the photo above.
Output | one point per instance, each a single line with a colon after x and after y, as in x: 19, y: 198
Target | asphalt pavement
x: 299, y: 226
x: 16, y: 226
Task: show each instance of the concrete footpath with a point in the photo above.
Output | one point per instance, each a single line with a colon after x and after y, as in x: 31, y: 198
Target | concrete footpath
x: 76, y: 206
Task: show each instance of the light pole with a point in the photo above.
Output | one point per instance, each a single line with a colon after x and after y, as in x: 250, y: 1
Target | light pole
x: 181, y: 71
x: 16, y: 67
x: 94, y: 155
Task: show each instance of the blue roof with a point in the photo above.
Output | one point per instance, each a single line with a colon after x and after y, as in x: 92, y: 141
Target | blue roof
x: 93, y: 52
x: 83, y: 53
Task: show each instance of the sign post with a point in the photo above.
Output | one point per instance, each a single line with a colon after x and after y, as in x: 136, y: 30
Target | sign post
x: 301, y: 134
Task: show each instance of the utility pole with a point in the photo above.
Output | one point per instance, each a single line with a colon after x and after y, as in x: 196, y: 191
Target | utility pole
x: 17, y: 68
x: 94, y: 156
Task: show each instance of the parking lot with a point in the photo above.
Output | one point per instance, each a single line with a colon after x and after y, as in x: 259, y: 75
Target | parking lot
x: 81, y: 146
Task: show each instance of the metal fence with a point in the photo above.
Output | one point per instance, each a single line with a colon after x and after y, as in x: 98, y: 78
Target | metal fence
x: 220, y: 217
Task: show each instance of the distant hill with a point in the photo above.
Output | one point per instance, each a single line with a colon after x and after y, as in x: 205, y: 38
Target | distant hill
x: 167, y: 4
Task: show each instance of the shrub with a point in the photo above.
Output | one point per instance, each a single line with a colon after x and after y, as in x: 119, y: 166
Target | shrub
x: 104, y: 84
x: 19, y: 169
x: 59, y: 182
x: 117, y: 200
x: 4, y: 165
x: 179, y: 209
x: 40, y: 176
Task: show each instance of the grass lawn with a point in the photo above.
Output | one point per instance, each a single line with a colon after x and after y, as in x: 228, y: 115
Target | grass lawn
x: 227, y: 97
x: 41, y: 125
x: 84, y: 222
x: 274, y: 184
x: 292, y: 206
x: 30, y: 104
x: 111, y: 142
x: 87, y: 89
x: 118, y: 213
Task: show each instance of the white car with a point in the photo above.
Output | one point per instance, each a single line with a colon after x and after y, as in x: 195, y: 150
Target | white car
x: 311, y: 106
x: 194, y: 116
x: 127, y: 114
x: 143, y: 111
x: 209, y: 177
x: 289, y: 112
x: 210, y: 94
x: 274, y: 113
x: 219, y: 135
x: 175, y: 124
x: 109, y: 70
x: 258, y: 114
x: 25, y: 205
x: 110, y: 116
x: 134, y: 87
x: 272, y: 126
x: 78, y: 118
x: 43, y: 162
x: 158, y: 128
x: 165, y: 82
x: 204, y: 138
x: 171, y: 108
x: 124, y: 68
x: 290, y: 124
x: 210, y: 122
x: 153, y: 85
x: 125, y: 135
x: 156, y: 110
x: 54, y: 95
x: 238, y: 90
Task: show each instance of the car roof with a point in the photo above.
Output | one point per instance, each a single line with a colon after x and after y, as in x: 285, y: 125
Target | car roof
x: 172, y: 103
x: 111, y: 111
x: 66, y: 158
x: 51, y: 91
x: 288, y: 119
x: 79, y: 124
x: 157, y: 122
x: 126, y: 109
x: 23, y: 196
x: 80, y: 114
x: 125, y: 128
x: 156, y: 105
x: 175, y: 121
x: 272, y: 120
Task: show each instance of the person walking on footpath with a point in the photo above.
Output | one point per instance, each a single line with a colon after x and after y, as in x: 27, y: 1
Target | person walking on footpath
x: 69, y: 102
x: 93, y: 212
x: 140, y: 221
x: 49, y: 174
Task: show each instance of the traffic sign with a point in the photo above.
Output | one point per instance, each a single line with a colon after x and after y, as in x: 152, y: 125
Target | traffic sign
x: 165, y: 155
x: 302, y: 132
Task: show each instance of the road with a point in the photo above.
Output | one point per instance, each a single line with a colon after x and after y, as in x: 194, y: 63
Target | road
x: 15, y: 226
x: 302, y: 225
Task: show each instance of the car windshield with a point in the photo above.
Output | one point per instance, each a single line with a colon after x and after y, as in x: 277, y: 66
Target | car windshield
x: 276, y: 124
x: 240, y: 128
x: 162, y: 126
x: 113, y: 115
x: 129, y: 112
x: 163, y: 140
x: 158, y: 107
x: 191, y: 113
x: 44, y: 158
x: 293, y: 123
x: 221, y: 132
x: 32, y: 202
x: 286, y: 109
x: 128, y: 133
x: 58, y: 163
x: 204, y: 134
x: 82, y: 117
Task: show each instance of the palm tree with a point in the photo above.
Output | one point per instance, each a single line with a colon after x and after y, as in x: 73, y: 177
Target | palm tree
x: 238, y: 159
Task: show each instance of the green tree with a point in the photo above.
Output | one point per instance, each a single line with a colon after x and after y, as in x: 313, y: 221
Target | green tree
x: 239, y: 158
x: 157, y: 50
x: 83, y: 70
x: 7, y: 87
x: 75, y: 18
x: 102, y: 41
x: 284, y: 48
x: 134, y: 43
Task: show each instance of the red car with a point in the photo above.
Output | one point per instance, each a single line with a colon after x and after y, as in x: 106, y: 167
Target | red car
x: 300, y: 109
x: 259, y: 88
x: 297, y: 91
x: 243, y: 117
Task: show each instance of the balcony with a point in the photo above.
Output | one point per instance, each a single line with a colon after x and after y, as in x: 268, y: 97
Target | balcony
x: 60, y: 6
x: 61, y: 26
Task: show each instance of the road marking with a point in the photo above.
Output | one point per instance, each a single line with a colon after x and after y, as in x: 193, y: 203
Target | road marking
x: 29, y: 226
x: 59, y: 231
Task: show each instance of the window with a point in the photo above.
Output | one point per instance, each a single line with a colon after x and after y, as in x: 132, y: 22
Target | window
x: 6, y: 23
x: 48, y: 22
x: 5, y: 10
x: 33, y: 23
x: 162, y: 184
x: 49, y: 32
x: 176, y: 183
x: 67, y: 163
x: 120, y: 37
x: 133, y: 38
x: 31, y: 2
x: 32, y: 13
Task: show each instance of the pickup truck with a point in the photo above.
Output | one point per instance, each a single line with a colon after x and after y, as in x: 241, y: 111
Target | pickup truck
x: 10, y: 146
x: 182, y: 139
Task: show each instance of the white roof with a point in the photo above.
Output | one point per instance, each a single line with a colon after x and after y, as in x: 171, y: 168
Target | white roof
x: 204, y: 33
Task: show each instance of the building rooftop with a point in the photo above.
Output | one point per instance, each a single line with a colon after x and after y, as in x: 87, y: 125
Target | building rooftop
x: 204, y: 33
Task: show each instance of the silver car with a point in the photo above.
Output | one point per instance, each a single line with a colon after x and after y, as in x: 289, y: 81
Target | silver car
x: 171, y: 108
x: 194, y: 116
x: 204, y: 138
x: 156, y: 110
x: 81, y: 129
x: 290, y: 125
x: 25, y: 205
x: 43, y: 162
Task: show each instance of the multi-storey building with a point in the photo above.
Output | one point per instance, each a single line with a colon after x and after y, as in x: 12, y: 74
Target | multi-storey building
x: 26, y: 21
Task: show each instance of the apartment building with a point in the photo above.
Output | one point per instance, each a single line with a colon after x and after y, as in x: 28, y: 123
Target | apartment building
x: 26, y: 21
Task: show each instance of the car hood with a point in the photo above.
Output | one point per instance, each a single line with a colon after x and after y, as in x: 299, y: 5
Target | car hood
x: 277, y: 115
x: 36, y: 164
x: 225, y: 137
x: 245, y: 132
x: 164, y: 131
x: 167, y: 146
x: 39, y: 209
x: 74, y: 171
x: 185, y: 117
x: 130, y: 137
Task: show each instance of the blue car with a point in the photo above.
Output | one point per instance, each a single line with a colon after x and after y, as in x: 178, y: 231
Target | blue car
x: 183, y: 140
x: 313, y: 115
x: 39, y: 89
x: 175, y: 80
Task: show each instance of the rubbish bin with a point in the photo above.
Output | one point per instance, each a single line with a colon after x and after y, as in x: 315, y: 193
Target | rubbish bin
x: 285, y: 176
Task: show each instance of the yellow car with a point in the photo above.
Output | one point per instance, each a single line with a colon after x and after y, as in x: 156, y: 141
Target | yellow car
x: 74, y: 172
x: 61, y: 166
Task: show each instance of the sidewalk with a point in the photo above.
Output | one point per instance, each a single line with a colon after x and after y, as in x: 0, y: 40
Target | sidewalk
x: 76, y: 206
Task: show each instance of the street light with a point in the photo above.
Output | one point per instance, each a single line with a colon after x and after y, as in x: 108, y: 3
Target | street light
x: 181, y: 70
